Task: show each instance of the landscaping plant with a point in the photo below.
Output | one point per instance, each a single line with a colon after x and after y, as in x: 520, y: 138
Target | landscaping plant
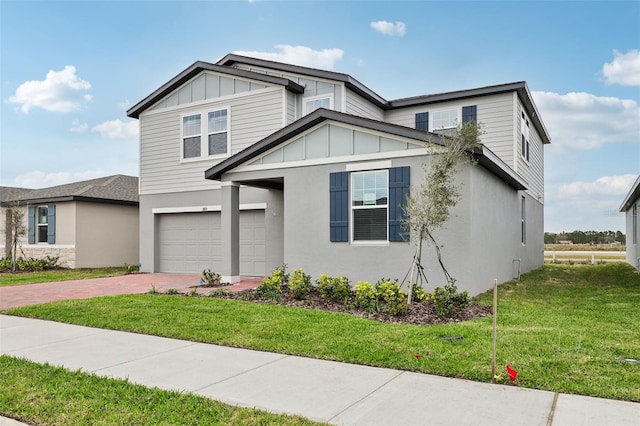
x: 300, y: 284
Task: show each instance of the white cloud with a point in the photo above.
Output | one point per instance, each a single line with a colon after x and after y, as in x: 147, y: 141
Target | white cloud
x: 117, y: 129
x: 39, y: 179
x: 607, y: 185
x: 389, y: 28
x: 299, y: 55
x: 624, y: 69
x: 77, y: 127
x: 582, y: 121
x: 60, y: 91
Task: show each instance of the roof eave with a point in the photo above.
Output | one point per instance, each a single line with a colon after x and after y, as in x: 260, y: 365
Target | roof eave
x: 67, y: 198
x: 632, y: 196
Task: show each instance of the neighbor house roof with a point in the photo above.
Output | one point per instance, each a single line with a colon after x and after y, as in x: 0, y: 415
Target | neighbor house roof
x: 116, y: 189
x: 195, y: 69
x: 483, y: 155
x: 632, y: 196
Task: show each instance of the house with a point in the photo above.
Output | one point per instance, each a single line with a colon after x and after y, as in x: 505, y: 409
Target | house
x: 248, y: 164
x: 86, y: 224
x: 631, y: 208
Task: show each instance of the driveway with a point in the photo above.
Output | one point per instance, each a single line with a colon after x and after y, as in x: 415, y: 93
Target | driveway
x: 31, y: 294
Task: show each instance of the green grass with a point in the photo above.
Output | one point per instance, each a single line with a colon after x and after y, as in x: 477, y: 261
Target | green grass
x: 7, y: 278
x: 561, y: 327
x: 46, y: 395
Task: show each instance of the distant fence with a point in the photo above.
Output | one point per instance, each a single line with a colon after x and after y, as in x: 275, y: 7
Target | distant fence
x: 586, y: 257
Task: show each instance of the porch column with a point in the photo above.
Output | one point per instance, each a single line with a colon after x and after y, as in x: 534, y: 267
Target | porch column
x: 230, y: 232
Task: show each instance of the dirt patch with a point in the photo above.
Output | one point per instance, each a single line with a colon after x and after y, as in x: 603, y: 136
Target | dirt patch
x: 419, y: 312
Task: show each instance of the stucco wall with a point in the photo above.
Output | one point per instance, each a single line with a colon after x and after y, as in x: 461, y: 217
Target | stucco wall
x: 106, y: 235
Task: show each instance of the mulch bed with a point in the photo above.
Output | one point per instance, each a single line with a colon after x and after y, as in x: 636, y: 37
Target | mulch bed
x: 422, y: 313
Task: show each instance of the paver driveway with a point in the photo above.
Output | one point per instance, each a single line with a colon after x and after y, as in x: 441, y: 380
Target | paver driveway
x: 30, y: 294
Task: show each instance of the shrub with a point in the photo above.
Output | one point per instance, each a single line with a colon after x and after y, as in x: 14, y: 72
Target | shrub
x: 130, y: 269
x: 172, y: 291
x: 418, y: 294
x: 448, y: 301
x: 37, y: 265
x: 334, y: 289
x: 271, y: 287
x: 366, y: 297
x: 393, y: 298
x: 211, y: 278
x: 5, y: 264
x: 300, y: 284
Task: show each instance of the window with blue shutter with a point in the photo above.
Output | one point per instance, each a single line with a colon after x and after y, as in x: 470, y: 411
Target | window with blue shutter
x: 32, y: 225
x: 469, y: 113
x: 339, y: 206
x: 51, y: 224
x: 398, y: 193
x: 422, y: 121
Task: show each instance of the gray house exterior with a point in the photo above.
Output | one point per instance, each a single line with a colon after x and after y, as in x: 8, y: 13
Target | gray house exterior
x: 247, y: 164
x: 631, y: 209
x: 92, y: 223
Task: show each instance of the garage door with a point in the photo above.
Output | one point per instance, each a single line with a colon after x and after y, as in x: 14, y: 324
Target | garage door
x: 190, y: 242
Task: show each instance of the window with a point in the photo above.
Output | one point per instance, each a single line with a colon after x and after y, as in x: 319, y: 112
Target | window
x: 634, y: 223
x: 215, y: 128
x: 524, y: 130
x: 43, y: 225
x: 313, y: 103
x: 369, y: 205
x: 444, y: 121
x: 523, y: 224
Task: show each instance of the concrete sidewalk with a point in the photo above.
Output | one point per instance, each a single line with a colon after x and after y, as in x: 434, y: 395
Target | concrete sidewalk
x: 327, y: 391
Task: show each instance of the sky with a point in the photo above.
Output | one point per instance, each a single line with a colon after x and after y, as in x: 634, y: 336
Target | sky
x: 70, y: 69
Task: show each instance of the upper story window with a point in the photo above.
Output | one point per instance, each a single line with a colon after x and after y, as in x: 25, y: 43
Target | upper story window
x: 43, y: 224
x: 205, y: 138
x: 313, y: 103
x: 524, y: 130
x: 445, y: 121
x: 369, y: 205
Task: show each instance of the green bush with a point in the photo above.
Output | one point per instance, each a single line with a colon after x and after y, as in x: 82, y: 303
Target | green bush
x: 300, y: 284
x: 334, y: 289
x: 418, y: 294
x: 131, y: 269
x: 5, y: 264
x: 394, y: 300
x: 367, y: 297
x: 272, y: 287
x: 448, y: 301
x: 211, y: 278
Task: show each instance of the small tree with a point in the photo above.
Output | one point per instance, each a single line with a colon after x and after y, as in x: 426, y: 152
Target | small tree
x: 428, y: 205
x: 16, y: 230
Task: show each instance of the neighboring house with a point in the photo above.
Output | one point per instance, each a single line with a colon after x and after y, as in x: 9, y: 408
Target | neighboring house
x: 631, y: 208
x: 249, y: 164
x: 86, y: 224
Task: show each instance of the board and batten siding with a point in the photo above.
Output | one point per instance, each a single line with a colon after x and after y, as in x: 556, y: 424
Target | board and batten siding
x: 494, y: 112
x: 533, y: 170
x: 357, y: 105
x: 253, y: 116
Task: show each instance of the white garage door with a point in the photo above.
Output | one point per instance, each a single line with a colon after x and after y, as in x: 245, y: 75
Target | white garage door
x: 190, y: 242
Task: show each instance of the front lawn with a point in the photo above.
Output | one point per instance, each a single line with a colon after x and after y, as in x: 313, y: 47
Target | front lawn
x: 46, y: 395
x: 561, y: 327
x: 19, y: 278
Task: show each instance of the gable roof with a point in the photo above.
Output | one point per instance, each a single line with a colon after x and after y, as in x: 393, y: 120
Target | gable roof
x: 519, y: 87
x: 116, y: 189
x: 632, y: 196
x: 195, y: 69
x: 483, y: 155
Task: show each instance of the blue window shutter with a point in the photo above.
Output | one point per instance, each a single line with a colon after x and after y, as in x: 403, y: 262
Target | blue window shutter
x: 469, y: 113
x: 32, y: 225
x: 51, y: 224
x: 422, y: 121
x: 339, y: 206
x: 398, y: 192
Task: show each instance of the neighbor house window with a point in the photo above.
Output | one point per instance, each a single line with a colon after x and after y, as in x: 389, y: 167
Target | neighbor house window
x: 444, y: 121
x: 524, y: 130
x: 313, y: 103
x: 208, y: 137
x: 43, y: 224
x: 523, y: 223
x: 369, y: 205
x: 634, y: 223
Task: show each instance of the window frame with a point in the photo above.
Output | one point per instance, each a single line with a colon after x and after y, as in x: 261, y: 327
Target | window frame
x: 305, y: 101
x: 439, y: 130
x: 523, y: 220
x: 204, y: 134
x: 525, y: 135
x: 634, y: 222
x: 353, y: 208
x: 44, y: 225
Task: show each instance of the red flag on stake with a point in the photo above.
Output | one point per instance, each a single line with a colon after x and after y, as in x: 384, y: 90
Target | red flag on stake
x: 417, y: 356
x: 513, y: 374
